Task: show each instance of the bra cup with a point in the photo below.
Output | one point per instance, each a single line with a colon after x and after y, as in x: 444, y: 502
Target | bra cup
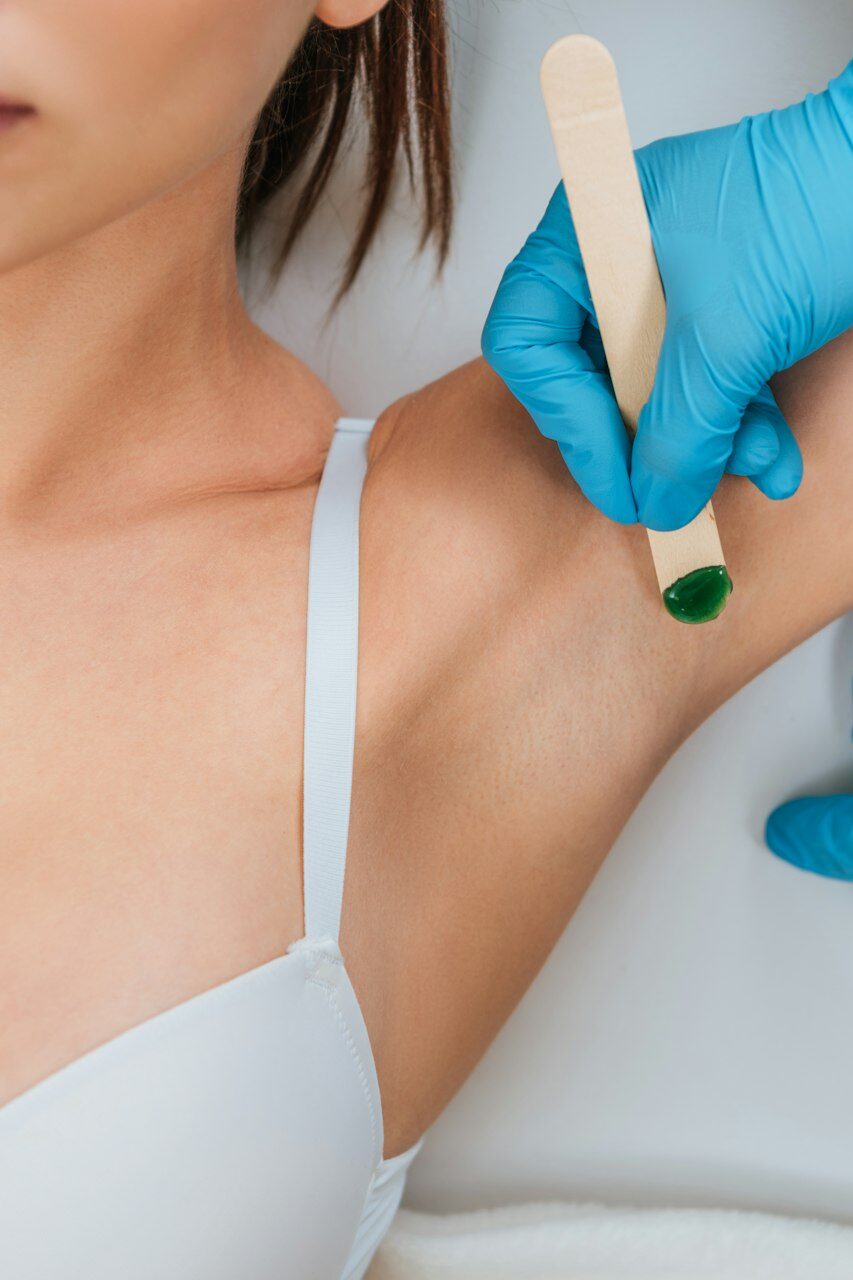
x: 234, y: 1138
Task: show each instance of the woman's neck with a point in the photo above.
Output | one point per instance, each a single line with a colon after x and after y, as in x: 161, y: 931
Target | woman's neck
x: 126, y: 359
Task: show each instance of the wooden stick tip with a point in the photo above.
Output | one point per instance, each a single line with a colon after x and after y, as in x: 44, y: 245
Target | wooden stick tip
x: 572, y: 53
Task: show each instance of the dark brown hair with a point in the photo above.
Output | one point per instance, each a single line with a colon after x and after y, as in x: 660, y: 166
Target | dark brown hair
x: 397, y: 65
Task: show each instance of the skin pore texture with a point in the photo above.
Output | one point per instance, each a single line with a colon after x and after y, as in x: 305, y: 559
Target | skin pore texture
x: 159, y: 458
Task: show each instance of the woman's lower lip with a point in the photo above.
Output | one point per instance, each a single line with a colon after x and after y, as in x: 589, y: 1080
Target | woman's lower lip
x: 11, y: 116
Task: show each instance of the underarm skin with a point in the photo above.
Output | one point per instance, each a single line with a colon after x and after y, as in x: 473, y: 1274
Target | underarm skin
x: 558, y: 690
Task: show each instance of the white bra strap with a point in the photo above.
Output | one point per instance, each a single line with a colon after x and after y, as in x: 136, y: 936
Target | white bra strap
x: 331, y: 671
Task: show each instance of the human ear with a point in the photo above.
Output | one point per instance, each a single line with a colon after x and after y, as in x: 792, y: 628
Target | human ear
x: 347, y: 13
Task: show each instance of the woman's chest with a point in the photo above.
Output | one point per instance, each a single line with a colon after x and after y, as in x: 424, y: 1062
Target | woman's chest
x: 150, y: 752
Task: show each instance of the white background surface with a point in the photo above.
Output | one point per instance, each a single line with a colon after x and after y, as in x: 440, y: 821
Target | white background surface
x: 690, y: 1040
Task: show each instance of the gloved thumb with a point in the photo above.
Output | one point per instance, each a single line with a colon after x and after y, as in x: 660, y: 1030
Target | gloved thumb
x: 814, y: 833
x: 685, y: 433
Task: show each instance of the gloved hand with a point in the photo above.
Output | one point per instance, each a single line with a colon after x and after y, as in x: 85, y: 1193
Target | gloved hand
x: 753, y: 230
x: 814, y: 833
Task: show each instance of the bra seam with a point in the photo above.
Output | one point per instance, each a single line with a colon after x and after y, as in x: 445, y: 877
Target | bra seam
x: 331, y: 995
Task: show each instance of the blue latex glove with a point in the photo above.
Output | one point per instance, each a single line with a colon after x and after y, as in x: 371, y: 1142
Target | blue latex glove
x: 814, y: 833
x: 753, y: 231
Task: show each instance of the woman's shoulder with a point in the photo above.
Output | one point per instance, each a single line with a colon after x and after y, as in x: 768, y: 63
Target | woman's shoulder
x: 467, y: 419
x: 473, y: 519
x: 471, y: 527
x: 460, y: 468
x: 465, y: 507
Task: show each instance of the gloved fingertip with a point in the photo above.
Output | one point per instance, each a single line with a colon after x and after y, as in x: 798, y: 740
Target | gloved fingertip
x: 753, y: 451
x: 777, y: 484
x: 814, y: 833
x: 781, y: 835
x: 665, y: 505
x: 621, y: 514
x: 781, y: 479
x: 670, y: 486
x: 611, y: 494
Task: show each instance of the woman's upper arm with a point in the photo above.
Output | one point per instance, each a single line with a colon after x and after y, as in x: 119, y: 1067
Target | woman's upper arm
x: 551, y: 685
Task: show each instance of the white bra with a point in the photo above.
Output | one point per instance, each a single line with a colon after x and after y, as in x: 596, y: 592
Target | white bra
x: 236, y: 1136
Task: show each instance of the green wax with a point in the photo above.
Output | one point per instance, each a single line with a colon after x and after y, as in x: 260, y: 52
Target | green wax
x: 699, y: 596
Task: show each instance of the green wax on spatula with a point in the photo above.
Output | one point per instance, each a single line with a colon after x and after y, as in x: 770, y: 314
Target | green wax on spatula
x: 699, y: 596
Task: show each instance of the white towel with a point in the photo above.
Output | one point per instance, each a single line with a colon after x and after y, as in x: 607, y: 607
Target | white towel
x: 553, y: 1241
